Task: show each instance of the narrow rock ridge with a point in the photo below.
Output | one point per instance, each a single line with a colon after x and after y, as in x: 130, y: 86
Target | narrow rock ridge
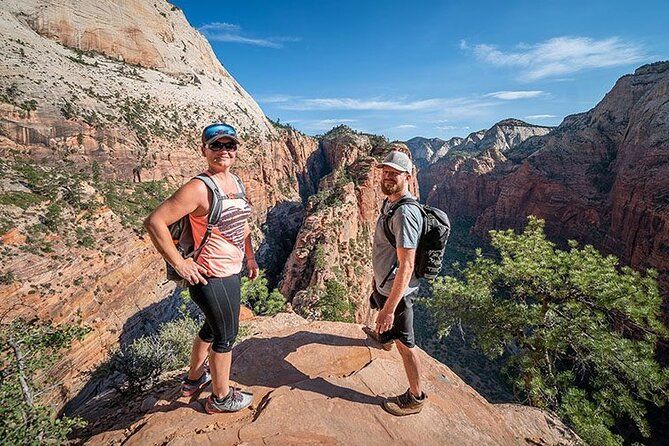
x: 334, y: 242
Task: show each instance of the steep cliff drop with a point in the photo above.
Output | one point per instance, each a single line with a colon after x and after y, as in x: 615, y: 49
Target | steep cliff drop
x: 601, y: 177
x: 101, y: 105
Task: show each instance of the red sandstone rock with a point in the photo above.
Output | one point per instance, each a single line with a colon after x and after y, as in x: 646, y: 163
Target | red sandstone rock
x: 335, y: 240
x: 601, y: 177
x: 245, y: 314
x: 13, y: 237
x: 322, y: 383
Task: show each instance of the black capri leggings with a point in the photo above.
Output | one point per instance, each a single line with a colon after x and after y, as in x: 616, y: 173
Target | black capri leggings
x: 219, y: 301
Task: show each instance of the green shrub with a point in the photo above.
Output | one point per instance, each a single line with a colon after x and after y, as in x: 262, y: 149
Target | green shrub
x: 256, y: 295
x: 320, y: 259
x: 19, y: 199
x: 68, y: 110
x: 7, y: 278
x: 333, y: 304
x: 143, y: 361
x: 29, y: 348
x: 577, y: 332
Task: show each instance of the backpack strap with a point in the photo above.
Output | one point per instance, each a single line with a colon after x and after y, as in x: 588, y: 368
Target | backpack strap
x: 387, y: 216
x: 386, y: 226
x: 242, y: 190
x: 215, y: 208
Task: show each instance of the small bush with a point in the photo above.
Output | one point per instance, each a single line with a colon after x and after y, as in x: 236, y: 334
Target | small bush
x: 320, y: 259
x: 333, y: 304
x: 256, y: 295
x: 28, y: 350
x: 143, y: 361
x: 7, y: 278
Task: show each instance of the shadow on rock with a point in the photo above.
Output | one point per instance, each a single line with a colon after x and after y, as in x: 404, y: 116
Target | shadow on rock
x: 301, y: 360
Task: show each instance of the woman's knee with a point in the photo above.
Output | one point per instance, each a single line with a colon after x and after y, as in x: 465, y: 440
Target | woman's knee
x: 223, y: 345
x: 205, y: 333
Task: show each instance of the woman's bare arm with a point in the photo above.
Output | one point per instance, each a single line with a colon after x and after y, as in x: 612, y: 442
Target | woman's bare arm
x: 189, y: 198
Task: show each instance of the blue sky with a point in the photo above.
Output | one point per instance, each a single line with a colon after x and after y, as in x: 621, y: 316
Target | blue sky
x: 429, y: 68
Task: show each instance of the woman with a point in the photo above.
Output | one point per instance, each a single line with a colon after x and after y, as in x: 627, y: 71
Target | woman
x: 214, y: 277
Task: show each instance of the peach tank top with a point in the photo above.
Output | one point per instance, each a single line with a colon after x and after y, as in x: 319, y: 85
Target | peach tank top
x: 223, y: 254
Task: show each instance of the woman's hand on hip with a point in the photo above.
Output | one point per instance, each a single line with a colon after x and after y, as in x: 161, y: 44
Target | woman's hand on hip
x: 191, y: 271
x: 252, y: 266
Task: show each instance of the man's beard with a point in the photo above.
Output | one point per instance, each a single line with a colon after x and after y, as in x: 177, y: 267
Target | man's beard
x: 390, y: 188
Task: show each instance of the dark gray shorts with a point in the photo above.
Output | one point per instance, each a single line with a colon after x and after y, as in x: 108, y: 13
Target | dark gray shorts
x: 403, y: 325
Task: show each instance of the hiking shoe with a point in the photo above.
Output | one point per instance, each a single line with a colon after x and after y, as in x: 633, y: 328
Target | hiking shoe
x: 190, y: 387
x: 374, y: 335
x: 236, y: 400
x: 404, y: 404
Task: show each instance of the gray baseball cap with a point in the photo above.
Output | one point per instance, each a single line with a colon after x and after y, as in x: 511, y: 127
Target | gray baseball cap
x: 398, y: 161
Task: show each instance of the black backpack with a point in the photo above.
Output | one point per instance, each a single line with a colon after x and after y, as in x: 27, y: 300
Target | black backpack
x: 432, y: 242
x: 182, y: 234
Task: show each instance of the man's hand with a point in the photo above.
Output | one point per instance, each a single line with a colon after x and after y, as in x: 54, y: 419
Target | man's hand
x: 191, y: 271
x: 253, y: 269
x: 384, y: 320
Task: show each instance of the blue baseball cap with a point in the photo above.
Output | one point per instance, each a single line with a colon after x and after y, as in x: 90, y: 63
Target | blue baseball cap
x: 218, y: 130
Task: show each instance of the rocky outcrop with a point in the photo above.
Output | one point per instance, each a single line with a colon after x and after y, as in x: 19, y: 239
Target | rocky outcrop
x: 334, y: 243
x: 449, y: 179
x: 109, y: 97
x: 600, y: 177
x: 128, y: 87
x: 322, y: 383
x: 426, y: 151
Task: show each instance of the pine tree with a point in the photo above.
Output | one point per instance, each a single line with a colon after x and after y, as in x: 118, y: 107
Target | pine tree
x: 29, y: 348
x: 577, y: 332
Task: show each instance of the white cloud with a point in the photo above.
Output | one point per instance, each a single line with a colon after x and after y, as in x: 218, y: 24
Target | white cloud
x: 361, y: 104
x: 512, y: 95
x: 406, y: 126
x: 276, y: 98
x: 451, y: 127
x: 562, y: 55
x: 448, y: 106
x: 228, y: 32
x: 540, y: 116
x: 463, y: 44
x: 325, y: 124
x: 334, y: 121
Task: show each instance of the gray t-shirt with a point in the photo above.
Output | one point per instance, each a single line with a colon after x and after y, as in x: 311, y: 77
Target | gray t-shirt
x: 407, y: 225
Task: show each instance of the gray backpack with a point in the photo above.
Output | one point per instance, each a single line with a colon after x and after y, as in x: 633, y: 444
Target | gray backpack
x: 182, y: 233
x: 432, y: 242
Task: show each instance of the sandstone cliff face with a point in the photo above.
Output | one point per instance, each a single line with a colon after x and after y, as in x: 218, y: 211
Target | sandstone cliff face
x: 426, y: 151
x: 449, y: 179
x: 334, y: 243
x: 600, y: 177
x: 96, y: 95
x: 322, y: 383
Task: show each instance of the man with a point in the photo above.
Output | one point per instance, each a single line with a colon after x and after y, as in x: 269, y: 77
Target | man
x: 395, y: 285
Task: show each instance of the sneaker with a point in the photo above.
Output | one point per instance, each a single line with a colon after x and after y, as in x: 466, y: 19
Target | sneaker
x: 190, y: 387
x: 404, y: 404
x: 235, y: 401
x: 374, y: 335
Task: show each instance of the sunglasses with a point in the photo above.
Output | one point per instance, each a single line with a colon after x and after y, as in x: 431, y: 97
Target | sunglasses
x: 230, y: 146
